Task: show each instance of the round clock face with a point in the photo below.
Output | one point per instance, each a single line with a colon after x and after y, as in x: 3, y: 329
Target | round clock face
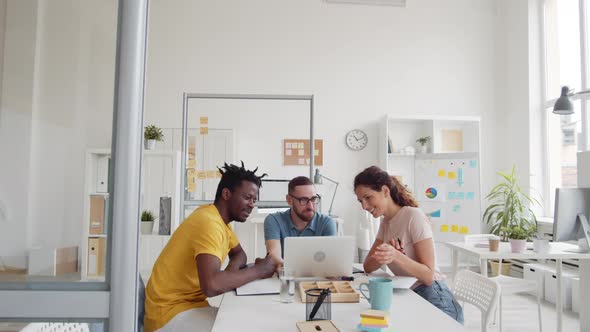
x: 356, y: 139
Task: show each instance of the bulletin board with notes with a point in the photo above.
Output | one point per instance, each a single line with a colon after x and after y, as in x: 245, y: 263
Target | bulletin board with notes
x: 296, y: 152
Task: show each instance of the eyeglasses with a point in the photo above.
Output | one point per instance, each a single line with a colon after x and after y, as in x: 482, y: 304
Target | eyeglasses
x: 304, y: 200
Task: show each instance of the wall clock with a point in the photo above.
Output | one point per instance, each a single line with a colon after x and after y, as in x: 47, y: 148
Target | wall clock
x: 356, y: 139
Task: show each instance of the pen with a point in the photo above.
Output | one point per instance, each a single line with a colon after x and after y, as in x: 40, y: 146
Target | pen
x: 400, y: 245
x: 344, y: 278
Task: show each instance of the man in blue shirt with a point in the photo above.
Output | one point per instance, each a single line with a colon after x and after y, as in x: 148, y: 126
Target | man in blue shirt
x: 300, y: 220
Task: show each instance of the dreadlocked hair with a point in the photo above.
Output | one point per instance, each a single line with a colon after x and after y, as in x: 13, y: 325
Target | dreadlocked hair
x: 375, y: 178
x: 233, y: 175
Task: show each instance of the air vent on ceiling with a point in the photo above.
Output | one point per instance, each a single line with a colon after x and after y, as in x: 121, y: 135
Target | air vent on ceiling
x: 395, y: 3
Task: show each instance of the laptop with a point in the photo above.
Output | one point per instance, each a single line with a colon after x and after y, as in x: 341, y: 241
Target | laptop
x: 319, y: 256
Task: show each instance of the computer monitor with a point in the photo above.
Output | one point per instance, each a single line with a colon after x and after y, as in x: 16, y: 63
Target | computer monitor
x: 319, y: 256
x: 569, y: 203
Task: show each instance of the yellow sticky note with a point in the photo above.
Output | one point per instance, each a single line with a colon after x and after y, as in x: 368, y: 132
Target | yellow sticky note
x: 442, y: 173
x: 201, y: 175
x: 464, y: 230
x: 190, y: 172
x: 444, y: 228
x: 204, y: 130
x: 191, y: 163
x: 204, y: 120
x: 454, y: 228
x: 191, y: 188
x: 452, y: 175
x: 211, y: 174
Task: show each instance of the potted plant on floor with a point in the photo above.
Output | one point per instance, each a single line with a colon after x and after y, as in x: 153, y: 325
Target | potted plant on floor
x: 147, y: 222
x: 423, y: 141
x: 152, y: 134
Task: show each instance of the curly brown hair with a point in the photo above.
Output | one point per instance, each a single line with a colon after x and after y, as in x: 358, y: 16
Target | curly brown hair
x: 375, y: 178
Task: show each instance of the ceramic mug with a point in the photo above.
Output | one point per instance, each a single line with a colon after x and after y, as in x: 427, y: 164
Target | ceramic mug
x: 380, y: 293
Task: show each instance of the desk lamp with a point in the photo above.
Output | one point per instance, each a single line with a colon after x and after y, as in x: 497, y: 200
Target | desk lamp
x: 317, y: 179
x: 563, y: 105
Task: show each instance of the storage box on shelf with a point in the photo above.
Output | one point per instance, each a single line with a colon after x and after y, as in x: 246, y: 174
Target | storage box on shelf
x: 576, y: 294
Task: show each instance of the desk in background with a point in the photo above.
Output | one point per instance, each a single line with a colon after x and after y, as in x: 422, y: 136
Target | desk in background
x: 555, y: 252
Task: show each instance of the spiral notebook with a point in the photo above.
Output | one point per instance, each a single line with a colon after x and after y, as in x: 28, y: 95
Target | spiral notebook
x: 266, y: 286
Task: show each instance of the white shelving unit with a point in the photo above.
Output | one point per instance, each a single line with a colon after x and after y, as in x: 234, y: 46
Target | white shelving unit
x: 451, y: 138
x: 397, y: 132
x: 161, y: 178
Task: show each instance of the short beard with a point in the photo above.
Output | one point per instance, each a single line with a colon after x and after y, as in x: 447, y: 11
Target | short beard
x: 302, y: 217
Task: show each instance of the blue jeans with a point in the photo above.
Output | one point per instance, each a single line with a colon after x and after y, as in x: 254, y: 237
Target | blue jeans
x: 441, y: 297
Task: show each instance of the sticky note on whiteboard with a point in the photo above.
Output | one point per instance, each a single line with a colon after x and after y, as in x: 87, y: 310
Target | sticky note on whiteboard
x: 452, y: 175
x: 464, y: 230
x: 444, y: 228
x: 454, y: 228
x: 442, y: 173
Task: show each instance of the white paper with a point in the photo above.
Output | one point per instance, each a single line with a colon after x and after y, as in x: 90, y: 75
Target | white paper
x: 403, y: 282
x: 262, y: 286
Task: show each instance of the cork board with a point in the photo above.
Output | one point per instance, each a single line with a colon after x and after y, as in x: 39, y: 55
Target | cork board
x: 296, y: 152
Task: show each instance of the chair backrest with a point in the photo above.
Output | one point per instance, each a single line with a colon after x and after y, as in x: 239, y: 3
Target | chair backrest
x: 479, y: 291
x: 56, y: 327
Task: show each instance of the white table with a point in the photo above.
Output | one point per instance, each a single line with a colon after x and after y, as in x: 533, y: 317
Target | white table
x: 409, y: 312
x: 556, y: 252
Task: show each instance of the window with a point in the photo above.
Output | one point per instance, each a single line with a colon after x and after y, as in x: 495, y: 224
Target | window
x: 566, y: 57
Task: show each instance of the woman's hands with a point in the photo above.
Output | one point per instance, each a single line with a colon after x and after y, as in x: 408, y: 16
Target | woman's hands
x: 388, y: 252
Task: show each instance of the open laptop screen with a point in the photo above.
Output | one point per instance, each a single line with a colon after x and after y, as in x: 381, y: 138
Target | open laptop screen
x: 319, y: 256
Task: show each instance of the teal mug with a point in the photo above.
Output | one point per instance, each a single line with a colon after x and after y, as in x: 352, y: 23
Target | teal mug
x: 380, y: 293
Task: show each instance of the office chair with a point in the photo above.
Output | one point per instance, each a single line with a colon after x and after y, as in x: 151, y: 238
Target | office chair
x: 479, y: 291
x: 511, y: 285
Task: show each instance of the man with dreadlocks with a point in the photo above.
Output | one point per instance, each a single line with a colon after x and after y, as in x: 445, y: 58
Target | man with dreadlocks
x: 188, y: 270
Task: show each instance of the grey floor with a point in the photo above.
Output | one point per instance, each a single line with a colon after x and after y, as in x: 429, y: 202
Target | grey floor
x: 519, y: 313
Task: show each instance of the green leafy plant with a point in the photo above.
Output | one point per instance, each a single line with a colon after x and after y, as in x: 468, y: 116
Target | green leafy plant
x: 147, y: 215
x: 423, y: 140
x: 510, y: 206
x: 518, y: 232
x: 153, y: 132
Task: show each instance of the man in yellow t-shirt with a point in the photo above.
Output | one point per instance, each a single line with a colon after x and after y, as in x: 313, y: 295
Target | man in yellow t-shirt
x: 188, y: 270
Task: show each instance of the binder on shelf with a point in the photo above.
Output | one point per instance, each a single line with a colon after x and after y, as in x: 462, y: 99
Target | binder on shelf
x: 165, y: 215
x: 96, y: 256
x: 98, y: 204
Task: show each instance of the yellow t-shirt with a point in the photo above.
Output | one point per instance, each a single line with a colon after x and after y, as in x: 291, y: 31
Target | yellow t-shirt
x: 174, y: 284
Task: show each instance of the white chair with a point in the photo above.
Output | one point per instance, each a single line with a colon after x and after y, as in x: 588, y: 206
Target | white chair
x: 511, y: 285
x: 479, y: 291
x: 56, y: 327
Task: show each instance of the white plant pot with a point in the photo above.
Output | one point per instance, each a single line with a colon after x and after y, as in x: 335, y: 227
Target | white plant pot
x: 149, y: 144
x: 423, y: 148
x: 540, y: 245
x: 147, y: 227
x: 517, y: 246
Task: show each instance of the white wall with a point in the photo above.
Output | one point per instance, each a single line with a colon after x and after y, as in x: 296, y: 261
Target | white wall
x: 16, y: 119
x: 57, y: 97
x: 360, y: 62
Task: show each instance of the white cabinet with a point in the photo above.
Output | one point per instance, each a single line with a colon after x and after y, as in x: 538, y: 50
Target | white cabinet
x: 445, y: 179
x: 161, y: 178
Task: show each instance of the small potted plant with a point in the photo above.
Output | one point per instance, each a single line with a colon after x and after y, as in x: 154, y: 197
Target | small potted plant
x: 152, y: 134
x: 147, y: 222
x: 423, y: 141
x: 518, y: 235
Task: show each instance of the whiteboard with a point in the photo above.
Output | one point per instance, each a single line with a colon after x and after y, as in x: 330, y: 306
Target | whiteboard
x: 447, y: 189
